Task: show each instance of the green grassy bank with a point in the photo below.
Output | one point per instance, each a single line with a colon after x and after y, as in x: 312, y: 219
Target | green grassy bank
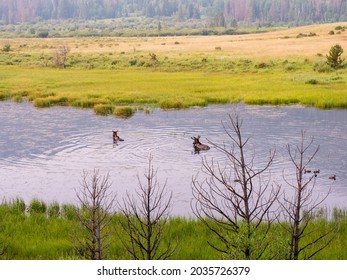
x: 107, y: 90
x: 116, y: 75
x: 41, y: 231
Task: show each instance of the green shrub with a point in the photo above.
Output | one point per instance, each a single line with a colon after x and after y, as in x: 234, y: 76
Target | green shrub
x: 43, y: 34
x: 312, y: 82
x: 6, y: 48
x: 322, y: 67
x: 261, y: 65
x: 334, y: 59
x: 301, y: 35
x: 290, y: 68
x: 133, y: 62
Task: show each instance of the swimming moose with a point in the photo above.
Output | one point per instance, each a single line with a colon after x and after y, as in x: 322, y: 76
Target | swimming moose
x: 198, y: 146
x: 116, y: 138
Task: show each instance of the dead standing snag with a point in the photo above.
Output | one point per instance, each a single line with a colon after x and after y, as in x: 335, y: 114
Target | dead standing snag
x: 235, y: 201
x: 94, y: 215
x: 300, y: 208
x: 146, y: 218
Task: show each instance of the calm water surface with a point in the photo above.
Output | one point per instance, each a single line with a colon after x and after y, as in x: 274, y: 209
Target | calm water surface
x: 43, y: 152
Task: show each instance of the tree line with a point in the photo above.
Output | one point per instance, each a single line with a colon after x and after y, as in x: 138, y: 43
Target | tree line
x: 213, y: 12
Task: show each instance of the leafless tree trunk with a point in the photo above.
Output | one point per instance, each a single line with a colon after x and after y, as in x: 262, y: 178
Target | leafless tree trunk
x: 301, y: 207
x: 96, y: 204
x: 235, y: 201
x: 146, y: 218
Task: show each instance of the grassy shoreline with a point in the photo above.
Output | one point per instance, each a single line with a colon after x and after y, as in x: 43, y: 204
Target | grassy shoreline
x: 105, y: 91
x: 46, y: 231
x: 120, y: 75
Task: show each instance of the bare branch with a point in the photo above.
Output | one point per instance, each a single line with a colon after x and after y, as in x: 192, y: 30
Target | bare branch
x: 96, y: 205
x: 146, y: 218
x: 235, y: 201
x: 301, y: 207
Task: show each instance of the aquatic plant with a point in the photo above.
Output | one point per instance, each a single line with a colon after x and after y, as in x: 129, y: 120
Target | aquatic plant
x: 103, y: 109
x: 123, y: 111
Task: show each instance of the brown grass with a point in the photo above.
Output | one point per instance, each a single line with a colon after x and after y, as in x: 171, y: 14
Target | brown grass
x: 272, y: 44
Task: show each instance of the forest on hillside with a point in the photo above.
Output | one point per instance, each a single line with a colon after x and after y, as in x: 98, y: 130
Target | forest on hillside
x: 224, y: 13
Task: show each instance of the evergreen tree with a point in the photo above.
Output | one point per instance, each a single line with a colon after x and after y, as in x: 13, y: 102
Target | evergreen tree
x: 262, y: 11
x: 334, y: 57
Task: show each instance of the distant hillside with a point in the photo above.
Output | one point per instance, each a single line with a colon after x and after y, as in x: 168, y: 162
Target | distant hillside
x: 224, y: 13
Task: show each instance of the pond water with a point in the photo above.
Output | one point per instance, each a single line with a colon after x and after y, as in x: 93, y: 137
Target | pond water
x: 43, y: 152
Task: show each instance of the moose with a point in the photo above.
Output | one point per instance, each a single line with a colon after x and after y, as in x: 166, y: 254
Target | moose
x: 198, y: 146
x: 116, y: 138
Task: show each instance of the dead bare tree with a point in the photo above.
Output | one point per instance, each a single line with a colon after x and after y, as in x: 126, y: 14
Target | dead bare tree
x: 60, y: 56
x: 235, y: 200
x: 146, y: 218
x: 96, y: 204
x: 301, y: 207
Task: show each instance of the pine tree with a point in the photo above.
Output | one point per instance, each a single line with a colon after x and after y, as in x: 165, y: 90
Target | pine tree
x: 334, y: 59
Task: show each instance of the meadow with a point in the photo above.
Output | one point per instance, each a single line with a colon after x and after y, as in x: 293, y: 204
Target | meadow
x: 118, y: 75
x: 47, y: 231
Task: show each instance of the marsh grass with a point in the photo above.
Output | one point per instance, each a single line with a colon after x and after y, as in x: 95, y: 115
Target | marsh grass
x: 172, y: 103
x: 104, y: 90
x: 105, y: 73
x: 103, y: 109
x: 123, y: 111
x: 53, y: 210
x: 42, y: 230
x: 37, y: 207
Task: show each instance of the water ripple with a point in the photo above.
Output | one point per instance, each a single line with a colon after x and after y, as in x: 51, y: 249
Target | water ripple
x: 44, y: 154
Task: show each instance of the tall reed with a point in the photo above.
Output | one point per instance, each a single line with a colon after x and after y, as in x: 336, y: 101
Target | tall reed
x: 46, y: 231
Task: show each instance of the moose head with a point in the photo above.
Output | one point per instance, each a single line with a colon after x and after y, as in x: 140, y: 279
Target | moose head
x: 198, y: 146
x: 116, y: 138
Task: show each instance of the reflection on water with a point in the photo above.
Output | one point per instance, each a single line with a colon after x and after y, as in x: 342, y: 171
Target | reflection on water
x: 43, y: 152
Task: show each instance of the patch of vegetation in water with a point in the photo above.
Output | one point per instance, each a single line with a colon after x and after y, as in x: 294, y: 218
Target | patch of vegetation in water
x: 103, y: 109
x: 123, y: 111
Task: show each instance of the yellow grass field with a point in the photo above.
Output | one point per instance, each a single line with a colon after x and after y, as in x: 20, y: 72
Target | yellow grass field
x: 275, y: 44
